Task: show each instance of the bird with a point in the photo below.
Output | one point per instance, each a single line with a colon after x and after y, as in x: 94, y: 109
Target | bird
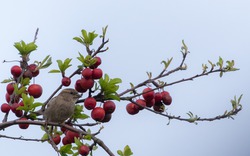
x: 62, y: 106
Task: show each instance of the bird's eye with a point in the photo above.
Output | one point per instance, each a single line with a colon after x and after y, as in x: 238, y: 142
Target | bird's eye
x: 72, y: 93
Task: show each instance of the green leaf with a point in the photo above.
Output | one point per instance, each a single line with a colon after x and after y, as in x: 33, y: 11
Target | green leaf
x: 25, y: 49
x: 84, y: 35
x: 78, y: 39
x: 7, y: 80
x: 25, y: 81
x: 221, y: 74
x: 54, y: 71
x: 127, y: 151
x: 87, y: 137
x: 184, y: 47
x: 76, y: 154
x: 115, y: 81
x: 46, y: 62
x: 36, y: 104
x: 81, y: 58
x: 78, y: 113
x: 166, y: 64
x: 66, y: 149
x: 45, y: 137
x: 109, y: 87
x: 77, y: 142
x: 120, y: 153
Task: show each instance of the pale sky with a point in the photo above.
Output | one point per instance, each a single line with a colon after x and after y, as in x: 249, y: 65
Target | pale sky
x: 142, y: 33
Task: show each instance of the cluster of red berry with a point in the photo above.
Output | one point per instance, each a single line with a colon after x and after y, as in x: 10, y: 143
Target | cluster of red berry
x: 150, y: 99
x: 14, y: 98
x: 70, y: 138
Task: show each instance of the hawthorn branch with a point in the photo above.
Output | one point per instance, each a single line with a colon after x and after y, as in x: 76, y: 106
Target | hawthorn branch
x: 42, y: 123
x: 219, y: 117
x: 22, y: 138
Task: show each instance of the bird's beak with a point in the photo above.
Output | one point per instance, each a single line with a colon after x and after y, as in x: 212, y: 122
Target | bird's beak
x: 78, y: 95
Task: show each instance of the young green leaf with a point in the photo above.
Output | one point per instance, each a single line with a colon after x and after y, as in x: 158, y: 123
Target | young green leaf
x: 45, y: 63
x: 127, y: 151
x: 25, y: 49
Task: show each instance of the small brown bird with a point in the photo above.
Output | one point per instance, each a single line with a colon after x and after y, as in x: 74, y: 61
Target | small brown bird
x: 61, y: 107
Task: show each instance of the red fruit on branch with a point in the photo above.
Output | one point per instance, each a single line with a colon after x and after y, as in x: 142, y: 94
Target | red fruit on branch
x: 78, y: 86
x: 98, y: 114
x: 150, y: 103
x: 132, y: 109
x: 83, y: 150
x: 7, y: 97
x: 33, y: 69
x: 56, y: 139
x: 158, y: 97
x: 97, y: 63
x: 107, y: 117
x: 19, y: 113
x: 142, y: 104
x: 14, y: 107
x: 35, y: 90
x: 71, y: 135
x: 10, y: 88
x: 90, y: 103
x: 5, y: 108
x: 166, y: 98
x: 66, y: 81
x: 97, y: 73
x: 66, y: 140
x: 23, y: 126
x: 109, y: 107
x: 87, y: 73
x: 159, y: 107
x: 87, y: 83
x: 16, y: 71
x: 148, y: 94
x: 27, y: 74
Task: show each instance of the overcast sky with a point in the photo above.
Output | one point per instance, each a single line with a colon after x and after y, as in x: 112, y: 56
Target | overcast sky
x: 142, y: 33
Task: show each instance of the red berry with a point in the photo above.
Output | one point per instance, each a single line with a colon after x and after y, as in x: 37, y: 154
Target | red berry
x: 90, y: 103
x: 27, y: 74
x: 150, y: 103
x: 56, y: 139
x: 33, y: 69
x: 19, y: 113
x: 107, y: 117
x: 98, y: 114
x: 132, y: 109
x: 159, y: 107
x: 109, y: 107
x: 166, y: 98
x: 21, y: 103
x: 97, y: 73
x: 97, y: 63
x: 5, y: 108
x: 158, y: 97
x: 142, y: 104
x: 83, y: 150
x: 66, y: 81
x: 78, y: 86
x: 16, y: 71
x: 148, y: 94
x: 66, y: 140
x: 87, y: 83
x: 7, y: 97
x: 14, y: 107
x: 35, y: 90
x: 10, y: 88
x: 23, y: 126
x: 71, y: 135
x: 87, y: 73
